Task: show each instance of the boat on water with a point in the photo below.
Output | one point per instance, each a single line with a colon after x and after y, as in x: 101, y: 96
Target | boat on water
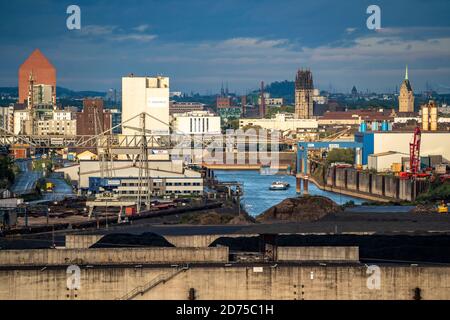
x: 279, y: 186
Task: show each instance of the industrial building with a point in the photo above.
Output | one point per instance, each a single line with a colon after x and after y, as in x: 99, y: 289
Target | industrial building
x: 432, y: 143
x: 7, y: 118
x: 183, y: 107
x: 169, y: 177
x: 148, y: 95
x: 93, y: 119
x: 281, y: 122
x: 196, y: 122
x: 382, y: 162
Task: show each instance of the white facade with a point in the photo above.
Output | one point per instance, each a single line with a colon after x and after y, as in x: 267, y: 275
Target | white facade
x: 272, y: 102
x: 169, y: 177
x: 7, y: 118
x: 20, y: 119
x: 196, y: 122
x: 383, y: 162
x: 62, y: 115
x: 282, y: 122
x: 57, y: 127
x: 149, y: 95
x: 432, y: 143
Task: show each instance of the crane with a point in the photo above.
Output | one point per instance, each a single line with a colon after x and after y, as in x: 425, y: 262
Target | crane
x: 414, y: 155
x: 414, y: 158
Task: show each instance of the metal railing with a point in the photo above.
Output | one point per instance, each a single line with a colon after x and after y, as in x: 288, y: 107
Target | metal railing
x: 153, y: 283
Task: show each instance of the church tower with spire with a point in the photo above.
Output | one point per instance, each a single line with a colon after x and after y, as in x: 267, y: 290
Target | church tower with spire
x: 406, y: 97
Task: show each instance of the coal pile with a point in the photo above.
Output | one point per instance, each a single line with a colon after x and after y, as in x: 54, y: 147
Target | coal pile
x: 244, y: 244
x: 302, y: 209
x: 124, y: 240
x: 376, y: 248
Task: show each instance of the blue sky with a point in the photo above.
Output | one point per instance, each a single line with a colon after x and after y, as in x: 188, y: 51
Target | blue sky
x: 201, y: 43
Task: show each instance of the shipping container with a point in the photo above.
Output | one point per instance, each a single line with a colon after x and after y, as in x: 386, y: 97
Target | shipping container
x: 130, y: 211
x: 396, y: 167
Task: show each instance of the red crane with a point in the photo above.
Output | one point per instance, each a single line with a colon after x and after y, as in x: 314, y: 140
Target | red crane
x: 414, y: 158
x: 414, y: 155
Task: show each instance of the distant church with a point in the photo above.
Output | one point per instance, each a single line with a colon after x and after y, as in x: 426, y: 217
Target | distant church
x: 406, y: 98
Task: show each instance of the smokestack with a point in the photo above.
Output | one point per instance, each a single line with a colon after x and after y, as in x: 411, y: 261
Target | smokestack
x: 433, y: 116
x: 425, y: 118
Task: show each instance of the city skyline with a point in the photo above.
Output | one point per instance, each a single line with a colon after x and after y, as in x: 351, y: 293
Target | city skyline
x: 201, y: 45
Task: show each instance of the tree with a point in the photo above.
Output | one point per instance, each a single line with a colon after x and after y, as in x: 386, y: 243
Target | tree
x: 341, y: 155
x: 6, y: 171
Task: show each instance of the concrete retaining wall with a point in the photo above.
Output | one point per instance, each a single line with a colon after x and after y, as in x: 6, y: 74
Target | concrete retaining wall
x: 231, y: 283
x: 391, y: 185
x: 348, y: 254
x: 383, y: 187
x: 352, y: 180
x: 112, y: 256
x: 341, y: 178
x: 378, y: 185
x: 365, y: 182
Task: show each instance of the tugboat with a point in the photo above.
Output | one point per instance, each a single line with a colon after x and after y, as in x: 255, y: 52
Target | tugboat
x: 279, y: 186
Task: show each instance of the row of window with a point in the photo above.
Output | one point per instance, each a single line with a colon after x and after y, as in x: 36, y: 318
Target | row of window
x: 196, y: 125
x: 168, y: 184
x: 135, y: 193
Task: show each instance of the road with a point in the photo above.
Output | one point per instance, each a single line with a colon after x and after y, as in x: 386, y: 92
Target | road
x: 61, y: 189
x: 26, y: 181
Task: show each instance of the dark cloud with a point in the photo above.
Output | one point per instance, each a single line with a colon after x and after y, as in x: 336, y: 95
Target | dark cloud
x: 201, y: 43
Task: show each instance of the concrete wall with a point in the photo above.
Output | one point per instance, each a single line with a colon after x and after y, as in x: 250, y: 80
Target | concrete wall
x: 378, y: 185
x: 341, y: 178
x: 383, y: 187
x: 365, y: 179
x: 391, y: 185
x: 348, y: 254
x: 231, y: 283
x: 112, y: 256
x: 406, y: 189
x: 352, y: 180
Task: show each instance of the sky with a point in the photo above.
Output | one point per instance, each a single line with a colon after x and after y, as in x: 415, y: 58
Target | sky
x: 201, y: 43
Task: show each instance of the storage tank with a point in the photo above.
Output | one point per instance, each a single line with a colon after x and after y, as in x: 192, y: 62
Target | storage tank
x: 433, y: 116
x: 375, y: 126
x: 425, y: 118
x: 363, y: 127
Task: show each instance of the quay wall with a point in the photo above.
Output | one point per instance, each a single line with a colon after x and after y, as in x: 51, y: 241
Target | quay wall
x: 219, y: 282
x: 371, y: 186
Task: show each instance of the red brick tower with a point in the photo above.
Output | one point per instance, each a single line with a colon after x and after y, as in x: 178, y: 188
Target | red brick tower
x: 43, y: 73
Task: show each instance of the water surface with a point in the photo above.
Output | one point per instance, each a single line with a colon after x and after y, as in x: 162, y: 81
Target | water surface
x: 257, y: 196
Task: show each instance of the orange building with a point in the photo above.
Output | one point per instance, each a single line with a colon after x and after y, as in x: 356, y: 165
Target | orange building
x: 44, y: 73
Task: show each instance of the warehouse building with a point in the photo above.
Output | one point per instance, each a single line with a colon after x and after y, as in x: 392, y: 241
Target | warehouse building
x: 167, y: 178
x: 433, y: 143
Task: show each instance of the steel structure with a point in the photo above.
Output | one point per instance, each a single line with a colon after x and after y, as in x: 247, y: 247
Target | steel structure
x: 304, y: 147
x: 414, y: 160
